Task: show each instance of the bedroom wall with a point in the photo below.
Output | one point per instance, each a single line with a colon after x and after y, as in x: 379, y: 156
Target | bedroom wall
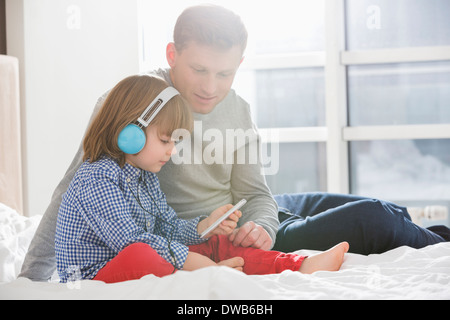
x: 70, y: 53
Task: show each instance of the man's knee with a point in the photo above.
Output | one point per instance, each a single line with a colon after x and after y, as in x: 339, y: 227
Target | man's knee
x: 378, y: 212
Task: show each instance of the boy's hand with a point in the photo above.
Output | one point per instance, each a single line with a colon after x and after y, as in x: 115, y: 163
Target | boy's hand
x: 226, y: 227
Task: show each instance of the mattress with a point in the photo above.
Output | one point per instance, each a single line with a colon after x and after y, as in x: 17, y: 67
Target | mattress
x: 403, y: 273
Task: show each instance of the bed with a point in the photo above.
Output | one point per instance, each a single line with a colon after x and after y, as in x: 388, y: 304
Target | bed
x: 403, y: 273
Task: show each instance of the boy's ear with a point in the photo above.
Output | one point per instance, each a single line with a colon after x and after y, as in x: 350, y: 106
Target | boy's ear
x: 171, y: 53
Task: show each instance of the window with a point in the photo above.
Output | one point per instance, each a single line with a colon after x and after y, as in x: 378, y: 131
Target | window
x: 301, y: 168
x: 376, y: 24
x: 348, y: 85
x: 402, y: 170
x: 290, y: 98
x: 400, y: 93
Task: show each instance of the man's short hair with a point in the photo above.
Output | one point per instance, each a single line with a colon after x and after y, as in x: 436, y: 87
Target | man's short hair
x: 210, y: 25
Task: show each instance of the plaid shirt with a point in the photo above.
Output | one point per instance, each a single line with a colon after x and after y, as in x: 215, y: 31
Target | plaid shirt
x: 105, y: 209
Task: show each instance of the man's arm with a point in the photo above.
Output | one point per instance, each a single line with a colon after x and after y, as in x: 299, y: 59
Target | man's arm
x: 259, y: 223
x: 40, y: 261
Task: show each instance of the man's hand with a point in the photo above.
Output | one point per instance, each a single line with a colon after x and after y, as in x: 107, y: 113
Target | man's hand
x: 251, y: 235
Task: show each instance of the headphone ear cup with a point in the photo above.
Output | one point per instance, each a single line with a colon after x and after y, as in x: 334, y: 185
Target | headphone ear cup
x: 131, y: 139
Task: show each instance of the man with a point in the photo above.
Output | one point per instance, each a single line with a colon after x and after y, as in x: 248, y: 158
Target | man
x: 208, y: 48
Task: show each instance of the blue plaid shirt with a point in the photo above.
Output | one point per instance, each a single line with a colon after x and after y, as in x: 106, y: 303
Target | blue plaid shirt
x: 105, y: 209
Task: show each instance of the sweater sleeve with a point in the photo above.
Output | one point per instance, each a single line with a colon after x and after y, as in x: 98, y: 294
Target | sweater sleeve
x: 248, y: 182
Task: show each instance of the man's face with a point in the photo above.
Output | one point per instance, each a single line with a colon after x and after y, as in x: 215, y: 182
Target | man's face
x: 203, y: 74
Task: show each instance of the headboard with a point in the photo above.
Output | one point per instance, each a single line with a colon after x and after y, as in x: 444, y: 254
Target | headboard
x: 11, y: 191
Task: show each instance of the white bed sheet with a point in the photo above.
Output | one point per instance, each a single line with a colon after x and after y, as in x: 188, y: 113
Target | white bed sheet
x: 403, y: 273
x: 16, y: 232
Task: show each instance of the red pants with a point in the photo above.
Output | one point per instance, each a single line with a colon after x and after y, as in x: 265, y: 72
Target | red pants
x: 139, y: 259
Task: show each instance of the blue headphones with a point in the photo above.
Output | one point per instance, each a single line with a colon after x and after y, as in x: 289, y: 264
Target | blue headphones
x: 132, y: 138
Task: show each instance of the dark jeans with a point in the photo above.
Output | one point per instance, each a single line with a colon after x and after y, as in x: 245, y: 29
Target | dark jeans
x: 318, y: 221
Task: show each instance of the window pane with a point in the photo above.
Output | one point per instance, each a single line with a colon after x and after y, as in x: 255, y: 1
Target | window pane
x: 285, y: 26
x: 410, y: 171
x: 375, y: 24
x: 412, y: 93
x: 302, y: 168
x: 284, y: 97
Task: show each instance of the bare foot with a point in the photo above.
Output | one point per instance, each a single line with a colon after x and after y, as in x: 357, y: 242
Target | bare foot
x: 330, y: 260
x: 236, y: 263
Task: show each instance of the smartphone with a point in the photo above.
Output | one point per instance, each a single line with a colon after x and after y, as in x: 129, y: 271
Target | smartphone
x: 222, y: 218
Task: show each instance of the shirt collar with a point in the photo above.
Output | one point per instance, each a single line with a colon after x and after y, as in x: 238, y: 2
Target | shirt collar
x: 131, y: 173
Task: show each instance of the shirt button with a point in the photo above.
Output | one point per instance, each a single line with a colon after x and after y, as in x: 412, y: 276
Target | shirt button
x: 149, y: 224
x: 128, y: 180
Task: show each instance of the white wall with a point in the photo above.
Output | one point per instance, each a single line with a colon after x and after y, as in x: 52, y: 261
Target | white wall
x: 70, y: 52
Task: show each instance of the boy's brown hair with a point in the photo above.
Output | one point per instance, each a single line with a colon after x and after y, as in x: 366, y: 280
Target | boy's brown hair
x: 124, y: 105
x: 210, y: 25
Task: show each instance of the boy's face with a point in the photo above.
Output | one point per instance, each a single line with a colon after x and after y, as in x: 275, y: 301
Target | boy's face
x: 156, y: 152
x: 203, y: 74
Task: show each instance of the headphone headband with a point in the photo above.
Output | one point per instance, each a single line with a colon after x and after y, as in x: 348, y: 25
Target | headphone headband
x: 159, y: 102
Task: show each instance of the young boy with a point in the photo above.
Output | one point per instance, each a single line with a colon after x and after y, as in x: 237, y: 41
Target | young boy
x: 114, y: 223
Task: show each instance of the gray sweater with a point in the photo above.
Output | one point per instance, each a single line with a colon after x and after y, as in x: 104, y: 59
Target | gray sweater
x: 211, y: 174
